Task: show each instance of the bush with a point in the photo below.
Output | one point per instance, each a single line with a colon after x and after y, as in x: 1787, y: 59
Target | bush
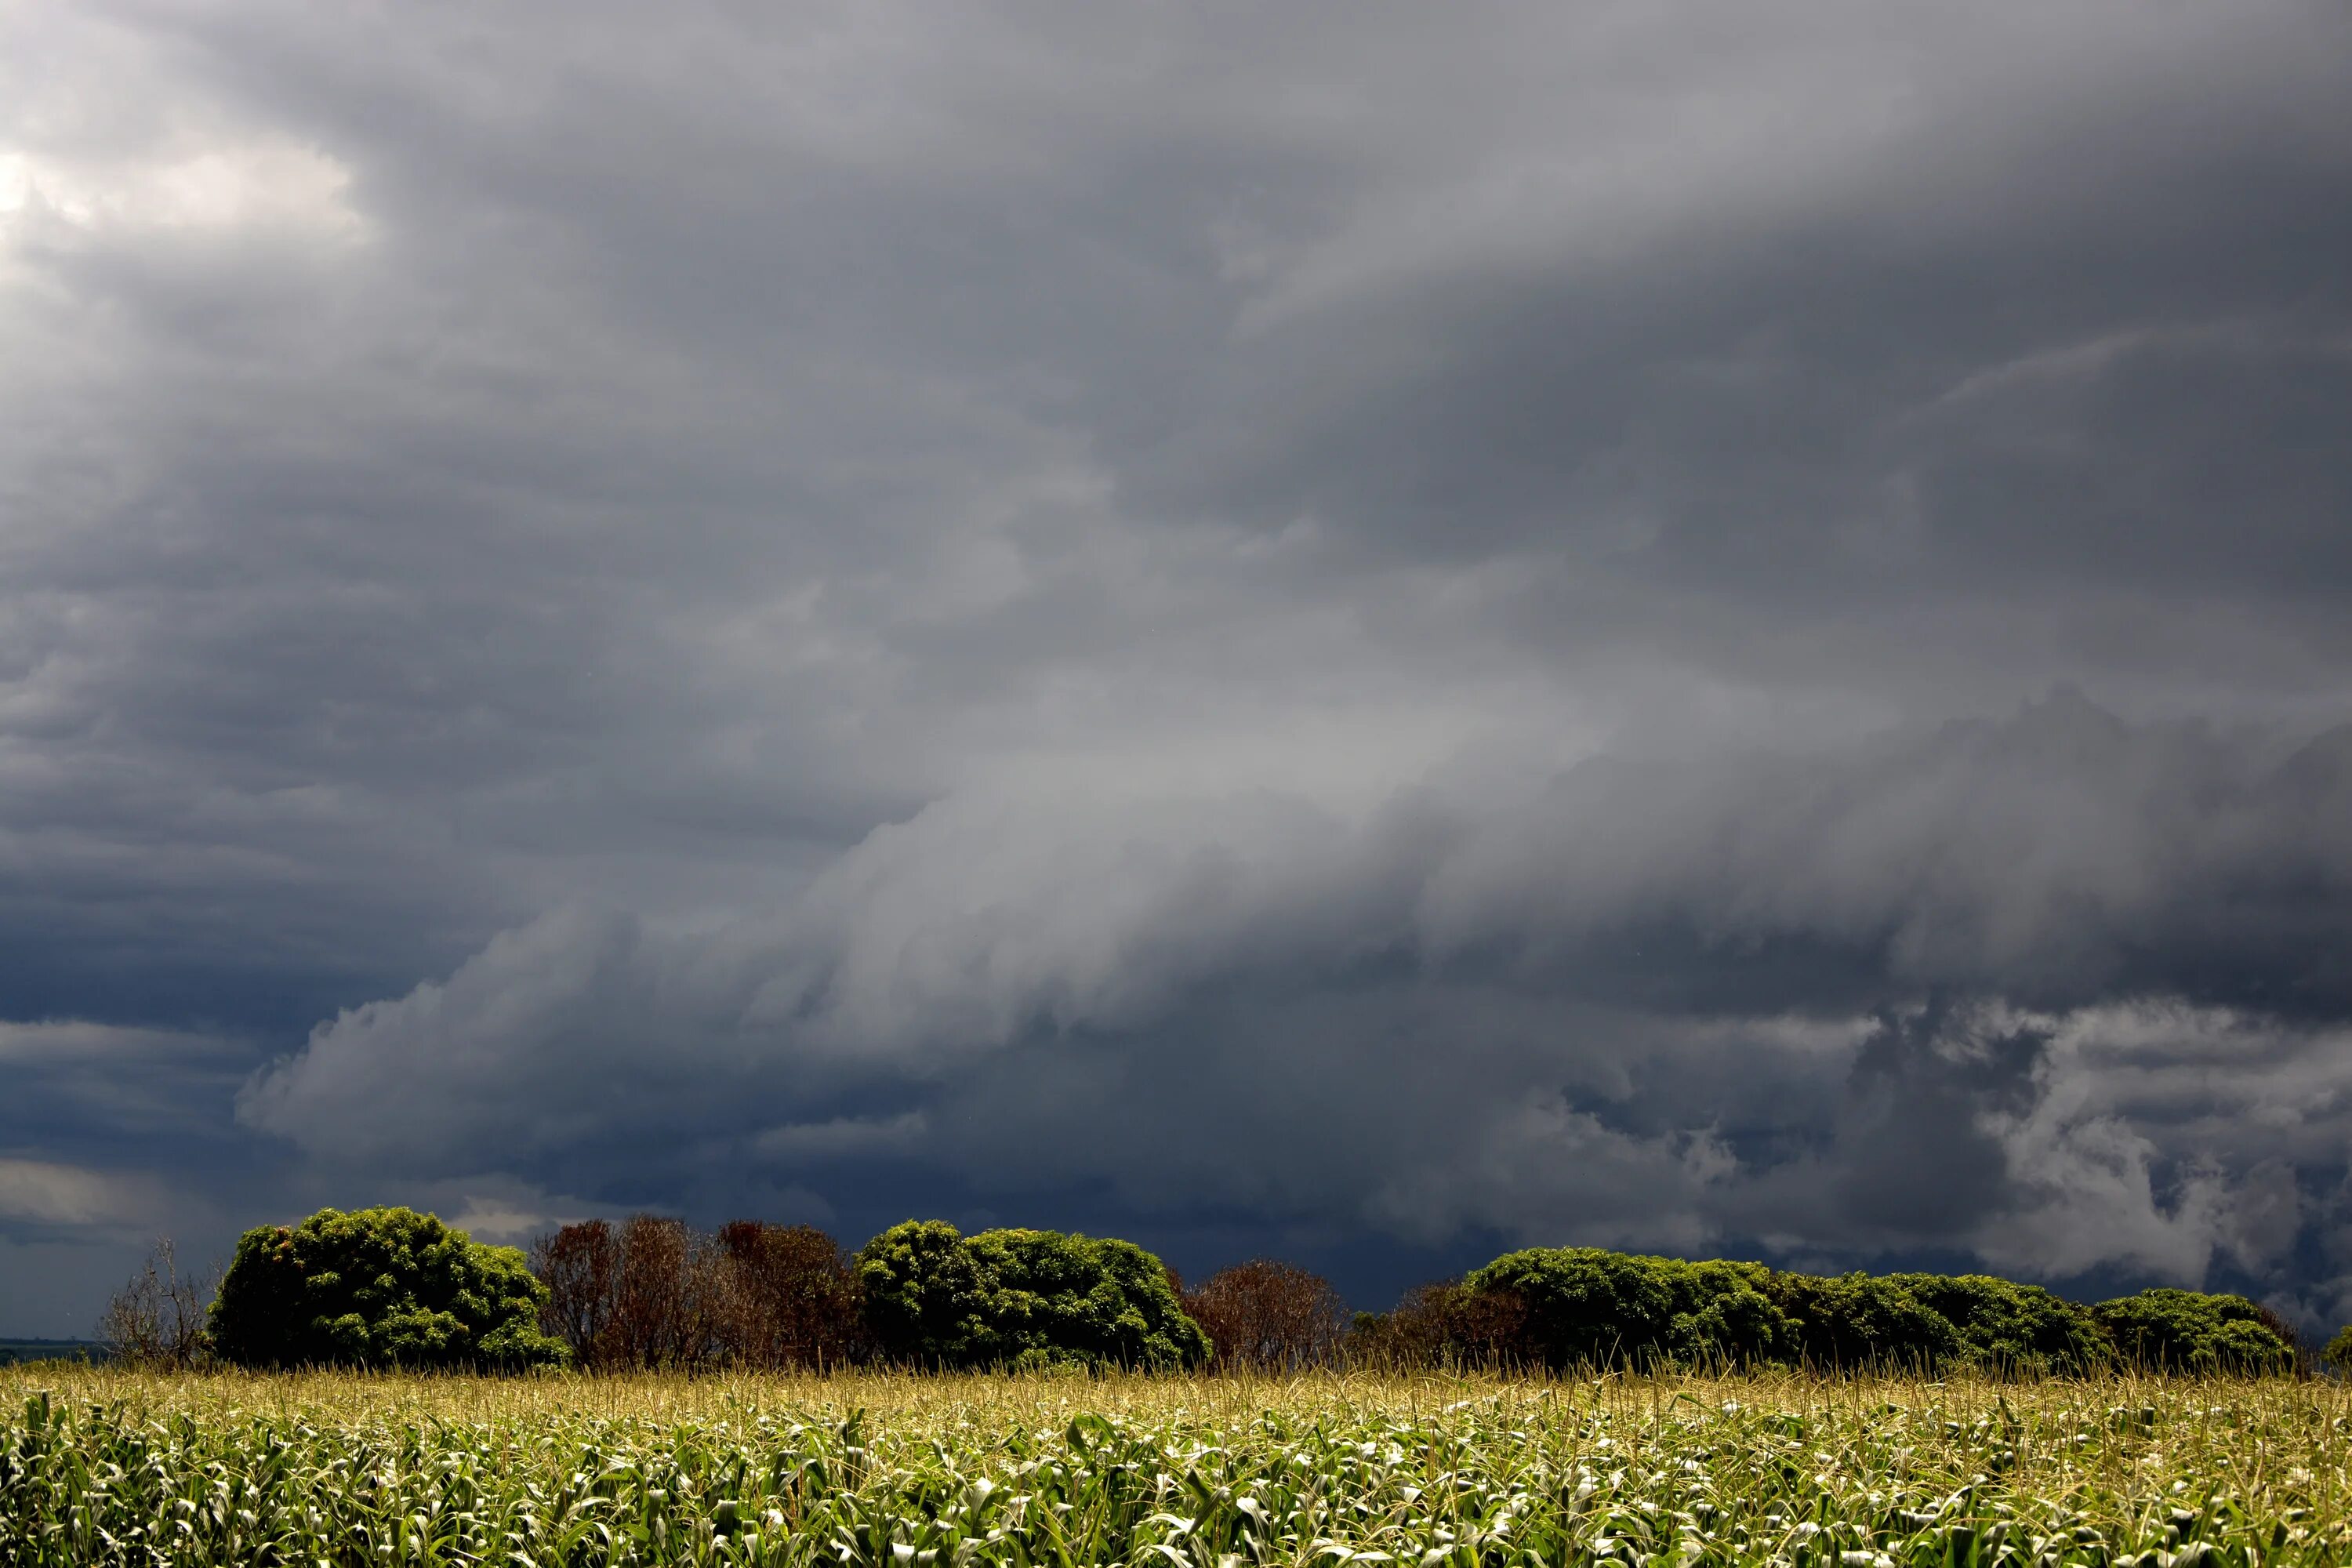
x: 1584, y: 1306
x: 2338, y: 1354
x: 1858, y: 1320
x: 2003, y: 1326
x: 1021, y: 1298
x: 378, y: 1288
x: 2163, y: 1330
x: 1267, y: 1314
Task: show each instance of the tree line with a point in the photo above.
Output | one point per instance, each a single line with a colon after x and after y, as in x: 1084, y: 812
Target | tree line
x: 390, y: 1286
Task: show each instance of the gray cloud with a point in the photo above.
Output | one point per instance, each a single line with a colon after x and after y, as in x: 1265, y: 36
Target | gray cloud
x: 1939, y: 992
x: 1378, y: 627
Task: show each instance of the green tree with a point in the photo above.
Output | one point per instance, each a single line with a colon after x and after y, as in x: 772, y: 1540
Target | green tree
x: 2165, y: 1329
x: 1860, y: 1319
x: 2338, y: 1354
x: 1021, y: 1298
x: 1585, y: 1306
x: 378, y: 1288
x: 922, y: 1294
x: 2003, y: 1325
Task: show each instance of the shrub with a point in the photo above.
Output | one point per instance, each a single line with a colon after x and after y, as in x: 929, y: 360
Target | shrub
x: 2005, y: 1326
x: 2338, y: 1354
x: 2164, y: 1330
x: 1584, y: 1306
x: 378, y: 1288
x: 1858, y: 1320
x: 1267, y: 1314
x: 1021, y: 1298
x: 1729, y: 1318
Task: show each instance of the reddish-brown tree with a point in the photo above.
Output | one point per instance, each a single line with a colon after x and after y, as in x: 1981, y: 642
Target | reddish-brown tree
x: 795, y: 1297
x: 1268, y: 1315
x: 672, y: 1298
x: 653, y: 1292
x: 579, y: 1265
x: 1443, y: 1323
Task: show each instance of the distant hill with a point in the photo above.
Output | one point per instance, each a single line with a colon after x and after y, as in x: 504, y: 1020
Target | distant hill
x: 15, y: 1350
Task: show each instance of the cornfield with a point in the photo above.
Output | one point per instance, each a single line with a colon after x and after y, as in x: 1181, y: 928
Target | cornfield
x: 102, y: 1467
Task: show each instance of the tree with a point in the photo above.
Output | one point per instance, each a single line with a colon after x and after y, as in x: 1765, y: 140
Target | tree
x: 1588, y: 1306
x: 2165, y: 1329
x: 1268, y: 1315
x: 2009, y: 1327
x: 378, y: 1288
x: 158, y: 1319
x: 2338, y: 1354
x: 1849, y: 1321
x: 675, y: 1296
x: 1021, y: 1298
x: 1444, y: 1323
x: 923, y: 1293
x: 796, y: 1296
x: 654, y: 1292
x: 579, y: 1265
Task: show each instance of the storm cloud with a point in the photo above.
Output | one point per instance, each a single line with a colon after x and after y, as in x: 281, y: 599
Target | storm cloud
x: 1359, y: 632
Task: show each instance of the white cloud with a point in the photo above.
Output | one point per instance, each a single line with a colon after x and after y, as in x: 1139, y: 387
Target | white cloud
x: 43, y: 1192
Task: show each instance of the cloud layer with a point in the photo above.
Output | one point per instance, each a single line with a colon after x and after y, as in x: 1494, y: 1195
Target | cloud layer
x: 1361, y: 633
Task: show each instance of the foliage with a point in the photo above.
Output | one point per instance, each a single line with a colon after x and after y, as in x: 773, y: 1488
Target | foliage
x: 2165, y: 1329
x: 1859, y: 1320
x: 2338, y: 1354
x: 653, y: 1293
x: 923, y: 1294
x: 581, y: 1266
x: 378, y: 1288
x: 104, y: 1472
x: 2005, y: 1326
x: 1268, y: 1315
x: 796, y: 1296
x: 157, y: 1320
x: 1021, y: 1298
x: 1585, y: 1306
x: 1444, y: 1323
x: 656, y: 1294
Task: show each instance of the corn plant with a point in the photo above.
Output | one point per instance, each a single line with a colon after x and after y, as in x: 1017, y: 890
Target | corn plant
x: 105, y: 1467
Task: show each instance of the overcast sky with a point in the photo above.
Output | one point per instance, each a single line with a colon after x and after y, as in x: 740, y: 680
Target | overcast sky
x: 1364, y: 633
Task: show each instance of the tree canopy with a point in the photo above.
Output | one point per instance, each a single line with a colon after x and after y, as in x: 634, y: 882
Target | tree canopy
x: 1021, y: 1298
x: 378, y: 1288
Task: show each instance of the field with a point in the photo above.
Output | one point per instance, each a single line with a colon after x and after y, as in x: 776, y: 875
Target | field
x: 101, y: 1466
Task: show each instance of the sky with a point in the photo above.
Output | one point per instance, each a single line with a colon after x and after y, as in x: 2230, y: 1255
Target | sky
x: 1364, y: 633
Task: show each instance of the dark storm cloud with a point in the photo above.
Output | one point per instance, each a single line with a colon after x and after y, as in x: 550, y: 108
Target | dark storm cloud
x: 1334, y: 628
x: 1867, y: 999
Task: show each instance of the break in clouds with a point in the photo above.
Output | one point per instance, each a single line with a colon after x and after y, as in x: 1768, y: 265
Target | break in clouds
x: 1365, y: 634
